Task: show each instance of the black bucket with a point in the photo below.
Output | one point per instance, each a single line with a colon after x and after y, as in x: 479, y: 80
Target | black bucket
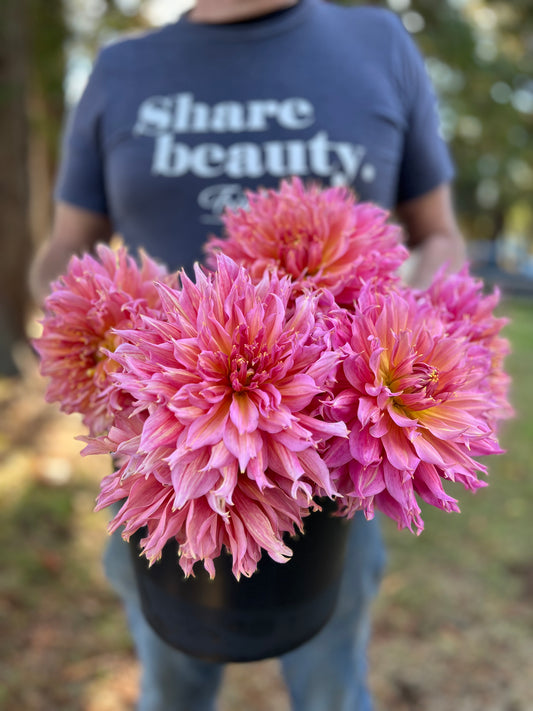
x: 278, y: 608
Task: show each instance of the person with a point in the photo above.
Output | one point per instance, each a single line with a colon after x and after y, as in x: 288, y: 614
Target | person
x: 174, y: 126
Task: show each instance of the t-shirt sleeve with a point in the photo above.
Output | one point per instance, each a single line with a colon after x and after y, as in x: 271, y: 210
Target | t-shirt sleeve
x: 81, y: 178
x: 426, y: 162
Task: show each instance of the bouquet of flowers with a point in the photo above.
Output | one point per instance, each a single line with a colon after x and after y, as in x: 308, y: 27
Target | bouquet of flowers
x: 296, y: 366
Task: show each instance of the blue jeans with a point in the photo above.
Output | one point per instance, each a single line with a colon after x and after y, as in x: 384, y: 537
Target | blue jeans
x: 328, y: 673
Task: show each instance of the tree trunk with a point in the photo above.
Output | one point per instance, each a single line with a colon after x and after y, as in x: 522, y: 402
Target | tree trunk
x: 47, y: 34
x: 15, y: 240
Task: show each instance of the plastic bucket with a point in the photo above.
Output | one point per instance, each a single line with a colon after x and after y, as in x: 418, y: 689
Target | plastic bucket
x: 278, y: 608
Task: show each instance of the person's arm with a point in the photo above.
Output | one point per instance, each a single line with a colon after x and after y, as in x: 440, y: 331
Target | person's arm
x: 80, y: 194
x: 433, y: 235
x: 75, y: 230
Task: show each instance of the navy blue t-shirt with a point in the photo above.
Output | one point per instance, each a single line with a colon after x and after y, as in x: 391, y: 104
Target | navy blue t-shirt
x: 178, y: 123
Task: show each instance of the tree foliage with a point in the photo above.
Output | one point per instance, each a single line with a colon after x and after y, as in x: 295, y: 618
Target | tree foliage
x: 480, y: 56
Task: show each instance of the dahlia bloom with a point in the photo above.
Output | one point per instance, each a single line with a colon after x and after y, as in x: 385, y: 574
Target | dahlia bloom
x: 226, y: 451
x: 321, y: 238
x: 413, y: 398
x: 468, y: 312
x: 298, y: 368
x: 96, y: 295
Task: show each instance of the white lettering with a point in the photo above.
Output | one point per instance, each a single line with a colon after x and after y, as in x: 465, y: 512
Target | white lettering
x: 154, y: 116
x: 258, y: 113
x: 285, y: 158
x: 295, y: 114
x: 368, y: 173
x: 274, y: 164
x: 340, y: 163
x: 170, y: 159
x: 350, y: 157
x: 207, y: 160
x: 297, y: 158
x: 216, y: 198
x: 189, y: 115
x: 228, y: 116
x: 244, y: 160
x: 181, y: 113
x: 319, y: 154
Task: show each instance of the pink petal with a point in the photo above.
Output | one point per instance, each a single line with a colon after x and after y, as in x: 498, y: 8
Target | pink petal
x: 243, y: 413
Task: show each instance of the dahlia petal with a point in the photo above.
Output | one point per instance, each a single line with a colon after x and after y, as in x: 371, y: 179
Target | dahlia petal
x: 274, y: 420
x: 298, y: 391
x: 208, y: 428
x: 317, y: 471
x: 320, y: 429
x: 337, y: 453
x: 405, y: 517
x: 258, y: 526
x: 399, y: 450
x: 325, y: 367
x: 398, y: 417
x: 296, y: 439
x: 257, y: 470
x: 244, y: 446
x: 368, y: 481
x: 230, y: 478
x: 185, y: 351
x: 363, y: 447
x: 192, y: 481
x: 160, y: 428
x: 243, y: 413
x: 357, y: 371
x: 450, y: 423
x: 344, y: 405
x: 219, y: 457
x: 428, y: 485
x: 382, y: 426
x: 165, y: 528
x: 367, y: 411
x: 426, y: 450
x: 283, y: 461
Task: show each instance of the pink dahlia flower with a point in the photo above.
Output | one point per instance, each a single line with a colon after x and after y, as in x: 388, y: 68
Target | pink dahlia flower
x: 469, y: 313
x: 413, y: 399
x: 227, y: 380
x: 320, y: 238
x: 95, y: 296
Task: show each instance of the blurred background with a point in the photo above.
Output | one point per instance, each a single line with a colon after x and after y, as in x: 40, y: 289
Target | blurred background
x: 454, y: 623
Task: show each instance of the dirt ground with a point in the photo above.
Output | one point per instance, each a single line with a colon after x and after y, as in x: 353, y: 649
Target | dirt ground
x: 444, y: 638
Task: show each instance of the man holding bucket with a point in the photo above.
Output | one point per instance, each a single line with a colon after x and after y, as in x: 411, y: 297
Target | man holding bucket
x: 176, y: 125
